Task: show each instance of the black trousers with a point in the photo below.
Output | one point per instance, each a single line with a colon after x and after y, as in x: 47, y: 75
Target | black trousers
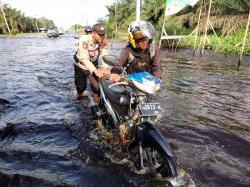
x: 81, y: 77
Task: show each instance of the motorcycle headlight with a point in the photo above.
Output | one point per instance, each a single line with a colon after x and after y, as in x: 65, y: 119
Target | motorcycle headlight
x: 145, y: 82
x: 147, y: 86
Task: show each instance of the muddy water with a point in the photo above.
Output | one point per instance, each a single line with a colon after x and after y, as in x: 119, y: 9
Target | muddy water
x: 47, y: 137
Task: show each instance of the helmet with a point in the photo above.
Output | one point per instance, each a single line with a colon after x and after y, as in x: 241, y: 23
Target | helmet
x: 139, y: 30
x: 88, y: 29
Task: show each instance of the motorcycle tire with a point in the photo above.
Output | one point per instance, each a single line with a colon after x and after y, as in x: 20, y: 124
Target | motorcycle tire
x: 161, y: 164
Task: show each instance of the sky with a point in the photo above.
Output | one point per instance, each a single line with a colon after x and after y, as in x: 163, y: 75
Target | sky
x: 64, y: 13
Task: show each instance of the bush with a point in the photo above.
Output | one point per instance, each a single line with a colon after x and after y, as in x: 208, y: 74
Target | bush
x: 231, y: 44
x: 14, y: 31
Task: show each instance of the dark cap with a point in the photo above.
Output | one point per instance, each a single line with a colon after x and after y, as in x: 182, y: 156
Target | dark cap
x: 88, y: 29
x: 98, y: 28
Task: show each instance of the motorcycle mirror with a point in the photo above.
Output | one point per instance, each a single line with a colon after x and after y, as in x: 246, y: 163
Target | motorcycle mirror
x: 110, y: 60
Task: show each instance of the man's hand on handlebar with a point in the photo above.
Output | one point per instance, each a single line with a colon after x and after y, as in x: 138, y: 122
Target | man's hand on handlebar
x: 101, y: 72
x: 115, y: 77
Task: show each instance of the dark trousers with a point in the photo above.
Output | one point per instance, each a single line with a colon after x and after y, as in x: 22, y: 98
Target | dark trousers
x: 81, y: 77
x: 94, y: 83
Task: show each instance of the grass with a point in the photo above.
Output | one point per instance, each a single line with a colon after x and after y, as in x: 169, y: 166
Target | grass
x: 231, y: 44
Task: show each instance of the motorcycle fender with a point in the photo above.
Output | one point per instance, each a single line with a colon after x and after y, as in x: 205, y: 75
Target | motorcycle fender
x: 106, y: 104
x: 147, y: 134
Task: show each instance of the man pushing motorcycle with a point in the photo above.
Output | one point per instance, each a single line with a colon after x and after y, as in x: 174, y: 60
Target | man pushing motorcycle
x: 88, y: 61
x: 139, y: 55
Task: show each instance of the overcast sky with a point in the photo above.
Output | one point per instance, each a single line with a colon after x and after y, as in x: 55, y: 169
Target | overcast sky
x: 64, y: 13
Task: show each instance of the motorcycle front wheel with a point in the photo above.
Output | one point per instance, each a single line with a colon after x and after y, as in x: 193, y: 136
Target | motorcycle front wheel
x: 159, y: 162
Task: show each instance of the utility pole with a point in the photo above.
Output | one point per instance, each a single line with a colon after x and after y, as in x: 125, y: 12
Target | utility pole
x: 115, y: 17
x: 1, y: 4
x: 36, y: 16
x: 37, y: 27
x: 138, y: 9
x: 85, y: 2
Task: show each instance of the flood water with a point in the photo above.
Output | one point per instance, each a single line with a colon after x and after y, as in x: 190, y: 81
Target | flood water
x: 47, y: 137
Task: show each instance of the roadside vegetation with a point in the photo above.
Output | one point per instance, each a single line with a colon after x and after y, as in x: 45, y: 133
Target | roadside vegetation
x: 230, y: 44
x: 228, y: 18
x: 19, y: 23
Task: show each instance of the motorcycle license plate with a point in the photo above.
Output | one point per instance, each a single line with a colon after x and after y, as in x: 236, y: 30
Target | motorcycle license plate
x: 150, y: 109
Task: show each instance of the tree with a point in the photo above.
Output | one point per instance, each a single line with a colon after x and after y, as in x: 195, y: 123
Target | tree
x: 19, y: 23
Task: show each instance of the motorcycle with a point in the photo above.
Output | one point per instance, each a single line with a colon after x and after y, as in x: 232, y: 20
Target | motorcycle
x: 127, y: 107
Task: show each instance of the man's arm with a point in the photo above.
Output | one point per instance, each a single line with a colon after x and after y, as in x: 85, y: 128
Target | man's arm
x: 122, y: 60
x: 101, y: 63
x: 157, y: 63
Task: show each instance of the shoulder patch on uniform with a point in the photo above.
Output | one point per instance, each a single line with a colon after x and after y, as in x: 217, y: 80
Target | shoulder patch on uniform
x: 85, y: 45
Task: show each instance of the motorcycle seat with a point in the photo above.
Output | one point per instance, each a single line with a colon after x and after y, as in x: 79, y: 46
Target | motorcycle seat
x: 115, y: 93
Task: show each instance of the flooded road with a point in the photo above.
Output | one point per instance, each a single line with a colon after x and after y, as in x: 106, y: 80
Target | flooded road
x: 47, y: 137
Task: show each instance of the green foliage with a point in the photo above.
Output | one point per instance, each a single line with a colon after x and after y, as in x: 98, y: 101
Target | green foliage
x: 239, y: 5
x: 108, y: 27
x: 77, y: 28
x: 123, y: 13
x: 14, y: 31
x: 19, y: 23
x: 174, y: 27
x: 230, y: 44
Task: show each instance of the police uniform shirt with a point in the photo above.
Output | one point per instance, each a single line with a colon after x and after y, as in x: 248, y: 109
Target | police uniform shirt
x: 88, y: 53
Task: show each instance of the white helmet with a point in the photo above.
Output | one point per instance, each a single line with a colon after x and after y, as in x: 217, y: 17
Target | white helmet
x: 139, y: 30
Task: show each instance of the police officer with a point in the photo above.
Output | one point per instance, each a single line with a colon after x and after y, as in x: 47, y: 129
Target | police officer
x: 88, y: 59
x: 88, y: 31
x: 141, y: 54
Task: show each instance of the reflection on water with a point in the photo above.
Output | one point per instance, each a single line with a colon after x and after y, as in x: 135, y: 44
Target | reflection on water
x: 48, y: 138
